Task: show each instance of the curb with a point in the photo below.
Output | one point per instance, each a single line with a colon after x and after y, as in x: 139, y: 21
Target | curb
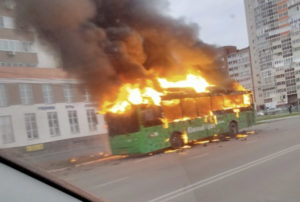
x: 86, y: 163
x: 277, y: 119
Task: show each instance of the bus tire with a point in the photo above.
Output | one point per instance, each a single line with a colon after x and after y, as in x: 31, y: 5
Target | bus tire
x: 176, y: 140
x: 233, y: 129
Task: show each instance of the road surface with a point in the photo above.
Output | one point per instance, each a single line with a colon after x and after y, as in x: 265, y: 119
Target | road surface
x: 265, y: 168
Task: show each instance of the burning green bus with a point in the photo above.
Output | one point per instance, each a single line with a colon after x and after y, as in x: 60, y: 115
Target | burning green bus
x: 180, y: 119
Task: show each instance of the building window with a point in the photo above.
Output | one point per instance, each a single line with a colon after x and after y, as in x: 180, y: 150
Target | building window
x: 73, y: 120
x: 268, y: 100
x: 2, y: 22
x: 87, y: 96
x: 15, y: 46
x: 68, y: 93
x: 47, y: 93
x: 26, y: 94
x: 16, y: 64
x: 3, y: 96
x: 92, y: 119
x: 7, y: 22
x: 53, y: 124
x: 31, y: 126
x: 6, y: 130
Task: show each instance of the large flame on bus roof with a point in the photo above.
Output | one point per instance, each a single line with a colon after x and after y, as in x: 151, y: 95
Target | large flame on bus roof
x: 149, y: 92
x: 132, y: 94
x: 136, y: 94
x: 196, y: 82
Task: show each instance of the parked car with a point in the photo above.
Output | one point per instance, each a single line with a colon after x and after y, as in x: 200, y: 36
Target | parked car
x: 272, y: 111
x: 260, y: 113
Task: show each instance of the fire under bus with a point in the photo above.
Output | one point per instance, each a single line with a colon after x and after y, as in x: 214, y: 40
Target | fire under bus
x: 181, y: 118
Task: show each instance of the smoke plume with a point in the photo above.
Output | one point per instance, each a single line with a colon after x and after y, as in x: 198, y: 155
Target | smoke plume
x: 108, y: 42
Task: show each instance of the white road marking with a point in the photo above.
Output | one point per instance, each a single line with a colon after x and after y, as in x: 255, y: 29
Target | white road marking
x: 199, y: 156
x: 181, y: 191
x: 252, y: 141
x: 111, y: 182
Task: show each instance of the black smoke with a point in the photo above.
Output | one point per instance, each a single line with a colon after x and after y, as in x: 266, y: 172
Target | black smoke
x: 108, y: 42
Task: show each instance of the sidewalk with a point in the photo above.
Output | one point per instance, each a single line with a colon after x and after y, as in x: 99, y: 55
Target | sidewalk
x: 65, y: 153
x: 88, y: 162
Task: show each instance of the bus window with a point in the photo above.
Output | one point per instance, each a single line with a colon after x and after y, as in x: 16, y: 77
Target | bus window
x: 203, y: 106
x: 119, y: 124
x: 233, y: 100
x: 217, y: 103
x: 172, y: 109
x: 251, y: 98
x: 189, y: 108
x: 151, y: 116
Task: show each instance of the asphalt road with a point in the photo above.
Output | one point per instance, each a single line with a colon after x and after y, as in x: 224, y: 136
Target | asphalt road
x: 265, y: 168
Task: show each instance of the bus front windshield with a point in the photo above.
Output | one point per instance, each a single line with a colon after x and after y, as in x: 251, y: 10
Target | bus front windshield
x: 120, y: 124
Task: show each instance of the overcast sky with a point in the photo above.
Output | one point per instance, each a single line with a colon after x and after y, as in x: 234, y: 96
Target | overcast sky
x: 222, y: 22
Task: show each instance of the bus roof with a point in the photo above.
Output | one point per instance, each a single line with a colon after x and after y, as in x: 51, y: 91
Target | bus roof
x: 182, y: 94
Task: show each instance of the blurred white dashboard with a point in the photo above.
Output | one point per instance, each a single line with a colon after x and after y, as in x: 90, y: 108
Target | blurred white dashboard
x: 16, y: 186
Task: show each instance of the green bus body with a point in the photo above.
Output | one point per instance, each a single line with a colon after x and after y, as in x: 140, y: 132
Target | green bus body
x: 149, y: 139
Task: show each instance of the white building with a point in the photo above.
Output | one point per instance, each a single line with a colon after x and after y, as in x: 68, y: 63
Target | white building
x: 42, y: 105
x: 239, y: 67
x: 273, y: 30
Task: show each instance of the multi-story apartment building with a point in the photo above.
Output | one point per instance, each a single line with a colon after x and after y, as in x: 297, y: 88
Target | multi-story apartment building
x: 273, y: 29
x: 42, y: 105
x: 239, y: 67
x: 224, y: 52
x: 16, y: 49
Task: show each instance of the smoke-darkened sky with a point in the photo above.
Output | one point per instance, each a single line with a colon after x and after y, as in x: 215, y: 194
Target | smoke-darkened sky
x: 222, y: 22
x: 109, y: 43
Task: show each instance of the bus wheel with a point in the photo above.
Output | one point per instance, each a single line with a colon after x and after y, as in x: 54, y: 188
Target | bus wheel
x: 233, y: 129
x: 176, y: 140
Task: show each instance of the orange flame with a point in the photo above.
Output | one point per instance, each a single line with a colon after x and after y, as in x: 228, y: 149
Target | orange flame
x: 151, y: 92
x: 198, y: 83
x: 133, y: 94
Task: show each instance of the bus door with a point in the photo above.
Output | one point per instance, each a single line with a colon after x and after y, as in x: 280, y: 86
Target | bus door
x: 218, y: 114
x: 194, y: 125
x: 204, y: 109
x: 172, y: 114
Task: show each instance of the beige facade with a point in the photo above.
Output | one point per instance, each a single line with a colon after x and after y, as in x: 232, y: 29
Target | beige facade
x: 47, y: 100
x: 56, y: 86
x: 58, y: 93
x: 13, y: 92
